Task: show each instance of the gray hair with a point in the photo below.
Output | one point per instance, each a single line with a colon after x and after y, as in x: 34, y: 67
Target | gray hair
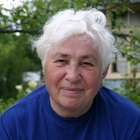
x: 67, y: 23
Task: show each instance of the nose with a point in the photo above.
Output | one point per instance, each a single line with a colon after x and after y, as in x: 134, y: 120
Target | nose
x: 73, y: 73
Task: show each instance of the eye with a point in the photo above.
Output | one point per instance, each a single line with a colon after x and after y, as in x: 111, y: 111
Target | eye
x: 61, y: 61
x: 87, y: 64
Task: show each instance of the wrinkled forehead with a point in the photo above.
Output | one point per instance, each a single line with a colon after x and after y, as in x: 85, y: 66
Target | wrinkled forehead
x: 76, y: 46
x: 86, y: 40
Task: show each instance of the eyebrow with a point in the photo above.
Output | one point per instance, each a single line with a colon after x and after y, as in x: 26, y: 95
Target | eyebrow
x: 60, y: 55
x: 87, y: 57
x: 83, y: 57
x: 64, y: 55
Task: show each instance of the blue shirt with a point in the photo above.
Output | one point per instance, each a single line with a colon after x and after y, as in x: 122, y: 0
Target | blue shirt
x: 111, y: 117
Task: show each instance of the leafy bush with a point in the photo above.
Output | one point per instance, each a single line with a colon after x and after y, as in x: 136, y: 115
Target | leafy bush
x: 130, y: 87
x: 22, y: 90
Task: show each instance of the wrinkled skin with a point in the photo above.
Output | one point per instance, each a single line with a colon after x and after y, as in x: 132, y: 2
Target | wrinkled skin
x: 73, y: 75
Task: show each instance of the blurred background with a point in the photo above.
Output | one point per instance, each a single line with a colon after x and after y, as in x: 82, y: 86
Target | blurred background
x: 22, y: 20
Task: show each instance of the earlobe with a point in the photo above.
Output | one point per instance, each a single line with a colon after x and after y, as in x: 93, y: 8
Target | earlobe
x: 105, y: 71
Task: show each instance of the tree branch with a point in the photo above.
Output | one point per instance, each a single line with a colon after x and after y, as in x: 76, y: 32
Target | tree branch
x: 19, y: 31
x: 34, y: 32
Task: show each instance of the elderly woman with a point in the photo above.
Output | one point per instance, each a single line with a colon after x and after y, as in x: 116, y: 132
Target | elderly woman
x: 75, y: 50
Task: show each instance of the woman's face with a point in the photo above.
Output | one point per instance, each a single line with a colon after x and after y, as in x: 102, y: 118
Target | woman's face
x: 73, y: 75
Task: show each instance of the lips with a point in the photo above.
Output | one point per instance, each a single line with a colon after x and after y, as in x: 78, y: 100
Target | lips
x: 72, y: 91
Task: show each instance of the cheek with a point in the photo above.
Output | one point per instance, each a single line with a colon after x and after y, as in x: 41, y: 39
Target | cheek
x: 93, y: 79
x: 53, y: 76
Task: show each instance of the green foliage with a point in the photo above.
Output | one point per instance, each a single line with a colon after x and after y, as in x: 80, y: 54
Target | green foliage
x: 18, y: 25
x: 130, y: 49
x: 128, y: 44
x: 15, y: 59
x: 132, y: 91
x: 4, y: 104
x: 22, y: 90
x: 130, y: 87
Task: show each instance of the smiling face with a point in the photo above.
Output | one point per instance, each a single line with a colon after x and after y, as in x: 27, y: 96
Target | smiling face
x: 73, y: 75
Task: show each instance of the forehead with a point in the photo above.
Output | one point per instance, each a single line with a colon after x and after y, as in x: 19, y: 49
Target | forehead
x: 80, y: 45
x: 83, y: 40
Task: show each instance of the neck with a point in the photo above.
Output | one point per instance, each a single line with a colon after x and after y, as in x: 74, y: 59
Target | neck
x: 69, y: 112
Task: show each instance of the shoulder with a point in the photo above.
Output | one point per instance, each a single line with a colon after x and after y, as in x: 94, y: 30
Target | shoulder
x: 25, y: 107
x: 30, y: 98
x: 20, y: 117
x: 123, y: 113
x: 116, y: 100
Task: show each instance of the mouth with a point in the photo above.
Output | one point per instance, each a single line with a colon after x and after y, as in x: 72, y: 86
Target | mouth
x: 72, y: 91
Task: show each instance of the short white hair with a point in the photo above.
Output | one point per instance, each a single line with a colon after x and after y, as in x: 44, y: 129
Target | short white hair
x: 68, y: 23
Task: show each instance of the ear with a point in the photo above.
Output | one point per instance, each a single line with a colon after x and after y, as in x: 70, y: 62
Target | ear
x: 105, y: 71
